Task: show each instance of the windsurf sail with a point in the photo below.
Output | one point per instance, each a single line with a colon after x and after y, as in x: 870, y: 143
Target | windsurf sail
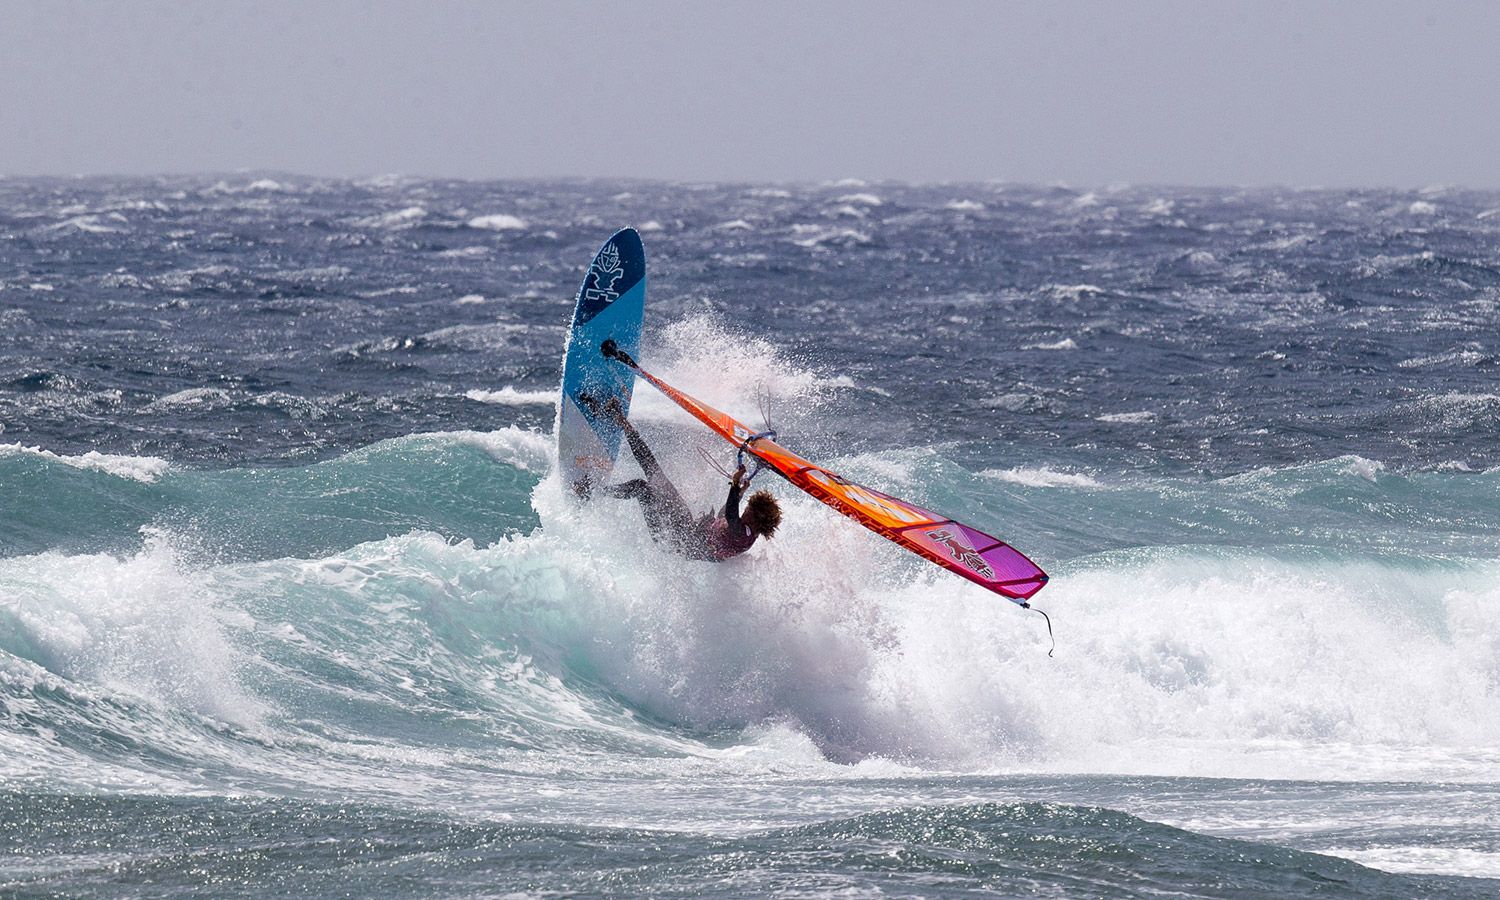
x: 979, y: 557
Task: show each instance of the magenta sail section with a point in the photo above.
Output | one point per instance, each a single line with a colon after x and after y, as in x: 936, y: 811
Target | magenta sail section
x: 981, y: 557
x: 1017, y: 574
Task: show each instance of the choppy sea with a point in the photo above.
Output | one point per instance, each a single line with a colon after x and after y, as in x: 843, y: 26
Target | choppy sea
x: 291, y: 605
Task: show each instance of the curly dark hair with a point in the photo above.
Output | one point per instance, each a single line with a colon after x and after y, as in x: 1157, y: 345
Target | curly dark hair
x: 767, y: 512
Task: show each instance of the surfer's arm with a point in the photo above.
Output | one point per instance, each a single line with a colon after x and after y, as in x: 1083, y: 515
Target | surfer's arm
x: 732, y: 504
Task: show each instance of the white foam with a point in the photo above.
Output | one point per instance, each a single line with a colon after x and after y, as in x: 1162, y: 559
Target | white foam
x: 390, y: 291
x: 1130, y: 418
x: 1072, y: 291
x: 1064, y: 344
x: 404, y: 218
x: 1225, y: 664
x: 467, y: 253
x: 316, y: 273
x: 862, y: 199
x: 91, y: 224
x: 1381, y: 264
x: 1042, y: 476
x: 144, y: 469
x: 1463, y: 862
x: 965, y: 205
x: 262, y: 185
x: 509, y: 396
x: 1469, y: 356
x: 734, y: 225
x: 1169, y: 663
x: 470, y: 300
x: 816, y: 237
x: 729, y: 370
x: 192, y: 397
x: 384, y: 182
x: 1422, y: 208
x: 527, y: 449
x: 497, y: 222
x: 1365, y: 468
x: 142, y: 627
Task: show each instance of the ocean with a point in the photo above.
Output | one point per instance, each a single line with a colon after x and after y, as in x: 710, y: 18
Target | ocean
x: 291, y: 603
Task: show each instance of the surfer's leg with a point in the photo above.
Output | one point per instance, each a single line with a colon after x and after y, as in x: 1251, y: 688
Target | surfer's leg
x: 666, y: 513
x: 634, y: 489
x: 668, y: 516
x: 643, y: 454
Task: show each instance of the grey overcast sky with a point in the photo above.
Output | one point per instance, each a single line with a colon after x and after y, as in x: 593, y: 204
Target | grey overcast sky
x: 1317, y: 92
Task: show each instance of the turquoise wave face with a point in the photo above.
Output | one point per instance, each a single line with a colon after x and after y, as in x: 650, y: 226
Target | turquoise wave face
x: 1345, y: 505
x: 472, y: 487
x: 478, y: 487
x: 285, y: 626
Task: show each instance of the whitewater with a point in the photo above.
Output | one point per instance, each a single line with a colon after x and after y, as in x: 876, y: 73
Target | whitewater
x: 292, y: 602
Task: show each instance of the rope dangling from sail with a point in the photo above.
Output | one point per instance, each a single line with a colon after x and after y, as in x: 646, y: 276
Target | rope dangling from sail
x: 1049, y: 626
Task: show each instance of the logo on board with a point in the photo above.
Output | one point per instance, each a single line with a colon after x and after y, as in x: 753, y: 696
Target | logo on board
x: 607, y: 270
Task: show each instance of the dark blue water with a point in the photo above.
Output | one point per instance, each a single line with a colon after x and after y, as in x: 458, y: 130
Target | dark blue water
x: 1250, y: 328
x: 289, y: 604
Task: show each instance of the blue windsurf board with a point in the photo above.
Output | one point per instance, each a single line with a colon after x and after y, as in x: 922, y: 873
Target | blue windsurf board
x: 610, y: 305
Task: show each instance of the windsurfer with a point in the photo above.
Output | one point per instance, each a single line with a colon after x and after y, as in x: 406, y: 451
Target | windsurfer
x: 714, y: 536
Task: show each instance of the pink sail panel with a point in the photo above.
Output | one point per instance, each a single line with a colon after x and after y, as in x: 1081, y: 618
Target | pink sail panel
x: 982, y: 558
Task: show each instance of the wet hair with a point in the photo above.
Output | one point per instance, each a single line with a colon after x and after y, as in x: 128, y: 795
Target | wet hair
x: 767, y: 512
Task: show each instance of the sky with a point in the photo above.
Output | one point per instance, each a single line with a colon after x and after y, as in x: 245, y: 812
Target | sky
x: 1331, y: 93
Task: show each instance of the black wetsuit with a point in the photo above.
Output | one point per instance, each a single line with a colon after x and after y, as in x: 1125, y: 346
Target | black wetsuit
x: 709, y: 537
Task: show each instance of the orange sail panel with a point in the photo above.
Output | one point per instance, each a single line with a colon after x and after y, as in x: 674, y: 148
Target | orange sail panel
x: 979, y: 557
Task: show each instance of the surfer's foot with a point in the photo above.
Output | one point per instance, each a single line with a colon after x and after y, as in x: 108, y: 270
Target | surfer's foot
x: 608, y: 409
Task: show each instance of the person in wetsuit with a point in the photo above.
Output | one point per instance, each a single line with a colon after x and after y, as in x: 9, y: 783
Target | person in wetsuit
x: 712, y: 537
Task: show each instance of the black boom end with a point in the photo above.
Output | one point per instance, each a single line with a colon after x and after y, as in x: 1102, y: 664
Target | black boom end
x: 612, y: 350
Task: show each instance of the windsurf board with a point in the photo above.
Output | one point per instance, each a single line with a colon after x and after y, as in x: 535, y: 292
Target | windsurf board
x: 609, y: 308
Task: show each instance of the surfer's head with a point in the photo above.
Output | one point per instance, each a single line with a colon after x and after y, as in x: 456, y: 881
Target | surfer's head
x: 762, y: 514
